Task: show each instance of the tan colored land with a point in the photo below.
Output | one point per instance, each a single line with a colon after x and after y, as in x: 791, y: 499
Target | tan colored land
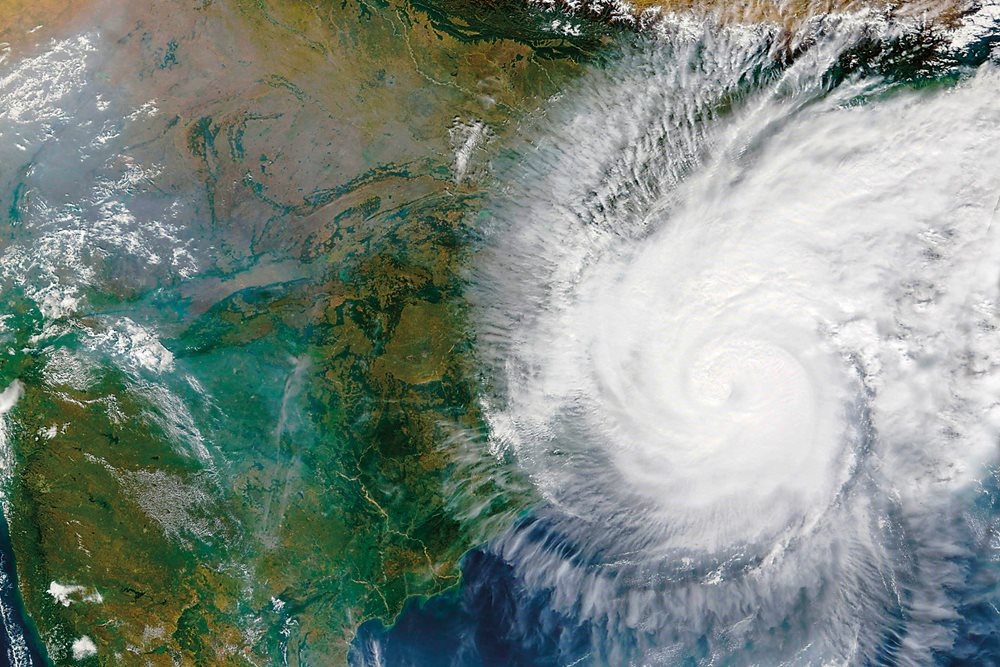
x: 251, y: 87
x: 22, y: 21
x: 792, y: 12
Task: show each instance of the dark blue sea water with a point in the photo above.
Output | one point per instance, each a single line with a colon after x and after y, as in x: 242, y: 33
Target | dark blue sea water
x: 939, y: 590
x: 490, y: 620
x: 495, y: 619
x: 19, y: 643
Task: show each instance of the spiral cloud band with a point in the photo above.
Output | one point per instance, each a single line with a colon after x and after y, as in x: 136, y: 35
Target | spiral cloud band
x: 743, y: 320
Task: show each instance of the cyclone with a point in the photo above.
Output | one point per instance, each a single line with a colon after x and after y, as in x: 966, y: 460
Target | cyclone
x: 738, y: 299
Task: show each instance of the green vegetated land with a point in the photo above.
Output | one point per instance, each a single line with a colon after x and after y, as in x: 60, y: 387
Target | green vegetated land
x: 272, y: 471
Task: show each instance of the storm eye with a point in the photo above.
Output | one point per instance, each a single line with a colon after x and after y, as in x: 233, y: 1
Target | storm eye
x: 721, y: 341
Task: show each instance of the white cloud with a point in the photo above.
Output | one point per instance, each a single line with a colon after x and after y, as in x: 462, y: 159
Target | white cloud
x: 84, y: 647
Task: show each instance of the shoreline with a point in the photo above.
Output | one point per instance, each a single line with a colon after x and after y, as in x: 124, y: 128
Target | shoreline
x: 14, y: 610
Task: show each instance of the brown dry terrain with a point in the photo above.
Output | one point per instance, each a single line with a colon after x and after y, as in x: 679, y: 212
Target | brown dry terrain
x: 313, y: 129
x: 25, y: 22
x: 792, y: 11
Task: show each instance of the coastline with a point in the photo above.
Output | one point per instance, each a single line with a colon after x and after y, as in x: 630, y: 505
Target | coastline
x: 19, y: 638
